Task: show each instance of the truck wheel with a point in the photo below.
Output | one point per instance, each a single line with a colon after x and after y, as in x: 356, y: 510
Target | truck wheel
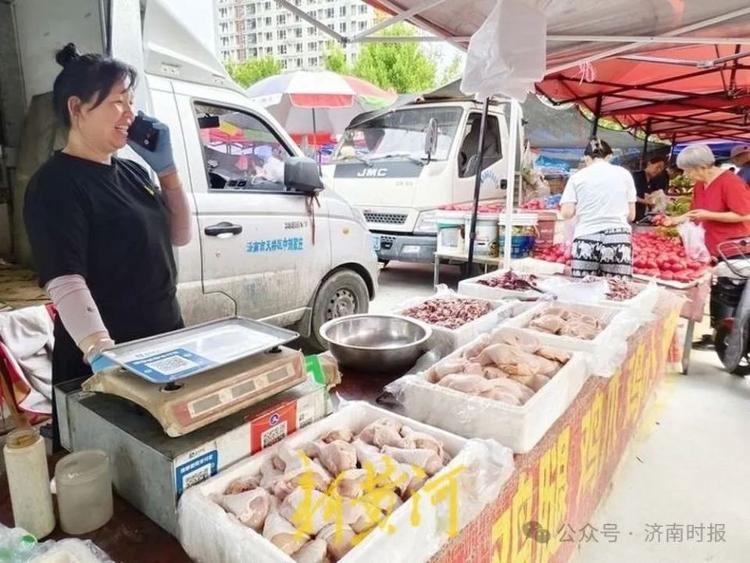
x: 344, y: 293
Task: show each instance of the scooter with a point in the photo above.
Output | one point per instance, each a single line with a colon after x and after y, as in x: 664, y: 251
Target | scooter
x: 730, y: 306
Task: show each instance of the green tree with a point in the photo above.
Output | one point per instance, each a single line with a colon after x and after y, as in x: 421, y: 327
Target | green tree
x: 334, y: 59
x: 402, y: 67
x: 250, y: 71
x: 453, y: 71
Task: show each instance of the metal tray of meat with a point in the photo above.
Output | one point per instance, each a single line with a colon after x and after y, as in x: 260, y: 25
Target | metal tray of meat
x: 190, y: 351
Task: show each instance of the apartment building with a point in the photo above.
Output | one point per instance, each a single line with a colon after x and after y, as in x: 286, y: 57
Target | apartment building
x: 247, y: 29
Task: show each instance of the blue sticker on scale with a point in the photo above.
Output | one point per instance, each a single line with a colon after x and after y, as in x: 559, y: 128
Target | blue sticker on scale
x: 196, y: 470
x: 168, y: 366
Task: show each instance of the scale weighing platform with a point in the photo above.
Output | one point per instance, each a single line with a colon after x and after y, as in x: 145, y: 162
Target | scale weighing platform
x: 175, y: 409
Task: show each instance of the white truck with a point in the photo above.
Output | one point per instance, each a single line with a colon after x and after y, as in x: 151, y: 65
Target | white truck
x: 262, y: 249
x: 381, y: 166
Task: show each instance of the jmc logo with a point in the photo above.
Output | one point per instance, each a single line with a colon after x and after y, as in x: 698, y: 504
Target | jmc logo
x: 372, y: 173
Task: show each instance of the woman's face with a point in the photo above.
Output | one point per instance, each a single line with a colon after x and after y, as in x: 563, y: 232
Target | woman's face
x: 104, y: 127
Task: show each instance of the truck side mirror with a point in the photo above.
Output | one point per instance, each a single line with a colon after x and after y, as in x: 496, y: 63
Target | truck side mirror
x: 301, y: 174
x: 431, y: 138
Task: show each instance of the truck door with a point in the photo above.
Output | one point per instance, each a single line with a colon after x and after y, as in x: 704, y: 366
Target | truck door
x: 256, y: 236
x: 492, y: 169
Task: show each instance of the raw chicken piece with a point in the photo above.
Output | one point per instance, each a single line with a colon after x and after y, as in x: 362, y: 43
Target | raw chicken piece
x: 500, y: 355
x: 282, y: 534
x: 517, y: 339
x: 502, y: 396
x: 582, y: 330
x: 308, y: 510
x: 312, y: 449
x: 314, y: 551
x: 383, y: 499
x: 300, y: 469
x: 553, y: 354
x: 474, y: 368
x: 409, y: 478
x: 491, y: 372
x: 471, y: 384
x: 250, y: 507
x: 367, y: 431
x: 422, y: 440
x: 533, y: 382
x: 349, y: 483
x: 241, y: 485
x: 338, y: 456
x: 269, y: 473
x: 278, y: 463
x: 441, y: 369
x: 388, y: 436
x: 340, y: 540
x: 552, y: 324
x: 426, y: 459
x: 513, y: 387
x: 476, y: 347
x: 339, y: 434
x: 360, y: 515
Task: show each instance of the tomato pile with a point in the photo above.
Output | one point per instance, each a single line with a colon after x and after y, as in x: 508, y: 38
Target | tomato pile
x: 654, y: 254
x: 659, y: 256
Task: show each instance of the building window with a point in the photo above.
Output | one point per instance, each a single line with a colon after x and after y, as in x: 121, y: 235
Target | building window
x: 297, y: 19
x: 329, y: 13
x: 312, y: 46
x: 284, y: 65
x: 225, y: 55
x: 310, y: 31
x: 269, y: 50
x: 312, y: 61
x: 362, y: 26
x: 267, y: 6
x: 282, y: 49
x: 342, y: 11
x: 299, y: 47
x: 342, y: 27
x: 224, y: 28
x: 363, y: 8
x: 269, y: 20
x: 281, y: 34
x: 224, y: 41
x: 254, y: 53
x: 269, y: 36
x: 299, y: 62
x: 298, y: 32
x: 281, y: 19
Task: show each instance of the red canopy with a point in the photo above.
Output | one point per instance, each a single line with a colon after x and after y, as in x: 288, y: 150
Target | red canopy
x: 692, y: 93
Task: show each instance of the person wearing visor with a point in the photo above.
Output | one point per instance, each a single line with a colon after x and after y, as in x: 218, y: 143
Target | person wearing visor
x: 101, y: 232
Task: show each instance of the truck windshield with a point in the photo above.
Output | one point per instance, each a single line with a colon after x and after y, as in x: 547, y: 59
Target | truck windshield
x: 400, y: 133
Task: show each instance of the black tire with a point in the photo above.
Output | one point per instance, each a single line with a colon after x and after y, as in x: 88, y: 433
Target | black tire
x: 344, y: 293
x: 720, y: 345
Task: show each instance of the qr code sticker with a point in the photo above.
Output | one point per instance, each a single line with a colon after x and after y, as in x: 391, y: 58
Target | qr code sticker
x: 273, y: 435
x: 304, y: 417
x: 196, y: 477
x: 171, y: 365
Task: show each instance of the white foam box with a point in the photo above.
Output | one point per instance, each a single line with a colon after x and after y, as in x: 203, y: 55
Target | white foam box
x: 473, y: 288
x: 518, y: 427
x: 501, y: 310
x: 210, y: 535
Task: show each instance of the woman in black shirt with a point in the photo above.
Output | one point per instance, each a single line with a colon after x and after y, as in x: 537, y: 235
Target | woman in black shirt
x: 101, y: 232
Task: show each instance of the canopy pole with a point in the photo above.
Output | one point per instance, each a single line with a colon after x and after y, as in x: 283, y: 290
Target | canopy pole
x: 477, y: 183
x: 671, y: 149
x: 597, y: 113
x: 644, y: 152
x: 315, y: 137
x: 515, y: 125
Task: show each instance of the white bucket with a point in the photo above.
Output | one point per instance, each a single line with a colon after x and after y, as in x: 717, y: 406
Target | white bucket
x: 450, y: 231
x: 485, y: 242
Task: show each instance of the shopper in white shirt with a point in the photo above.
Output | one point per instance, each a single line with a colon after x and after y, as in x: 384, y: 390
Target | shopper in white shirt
x: 601, y: 199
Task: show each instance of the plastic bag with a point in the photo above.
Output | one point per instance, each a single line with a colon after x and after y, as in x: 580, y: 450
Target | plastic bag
x: 273, y: 170
x: 658, y: 201
x: 575, y: 291
x: 694, y: 240
x: 18, y: 546
x: 507, y: 54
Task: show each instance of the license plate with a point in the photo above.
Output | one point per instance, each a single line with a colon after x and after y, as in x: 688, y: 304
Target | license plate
x: 376, y: 242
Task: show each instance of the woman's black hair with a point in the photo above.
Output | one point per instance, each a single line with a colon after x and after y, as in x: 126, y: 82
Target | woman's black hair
x: 597, y: 148
x: 86, y: 76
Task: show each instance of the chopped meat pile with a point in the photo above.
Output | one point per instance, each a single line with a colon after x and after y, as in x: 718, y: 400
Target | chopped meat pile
x: 509, y: 366
x: 510, y: 280
x: 619, y: 290
x: 317, y: 502
x: 449, y: 312
x: 566, y: 322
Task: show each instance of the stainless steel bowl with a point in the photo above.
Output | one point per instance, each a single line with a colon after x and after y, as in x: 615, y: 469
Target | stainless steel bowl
x: 376, y: 343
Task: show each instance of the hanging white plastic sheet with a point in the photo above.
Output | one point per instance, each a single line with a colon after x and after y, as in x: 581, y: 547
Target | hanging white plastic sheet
x: 507, y: 54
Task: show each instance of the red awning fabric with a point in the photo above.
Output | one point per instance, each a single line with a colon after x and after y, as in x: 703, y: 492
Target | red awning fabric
x: 693, y: 93
x: 330, y: 101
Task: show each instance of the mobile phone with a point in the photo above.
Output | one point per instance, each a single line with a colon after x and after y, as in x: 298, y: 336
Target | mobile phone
x: 143, y: 133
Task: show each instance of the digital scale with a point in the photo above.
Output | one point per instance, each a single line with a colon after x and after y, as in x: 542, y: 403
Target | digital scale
x: 174, y: 409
